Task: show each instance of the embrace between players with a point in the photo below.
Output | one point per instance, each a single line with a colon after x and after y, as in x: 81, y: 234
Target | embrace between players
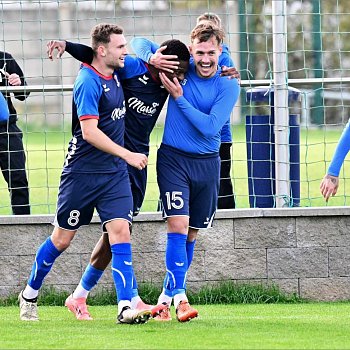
x: 106, y: 165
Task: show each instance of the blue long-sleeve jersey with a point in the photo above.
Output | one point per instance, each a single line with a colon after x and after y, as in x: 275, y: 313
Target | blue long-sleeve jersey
x: 194, y: 121
x: 145, y: 48
x: 340, y: 153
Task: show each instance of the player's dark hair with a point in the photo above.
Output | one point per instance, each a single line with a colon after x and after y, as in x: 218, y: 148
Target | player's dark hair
x: 101, y: 34
x: 176, y: 47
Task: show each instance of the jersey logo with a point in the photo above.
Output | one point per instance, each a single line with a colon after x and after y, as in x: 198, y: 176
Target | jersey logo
x: 144, y: 79
x: 183, y: 82
x: 141, y: 107
x: 105, y: 88
x: 118, y: 113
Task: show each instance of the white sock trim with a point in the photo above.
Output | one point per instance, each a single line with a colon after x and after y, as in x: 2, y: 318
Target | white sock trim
x: 30, y: 293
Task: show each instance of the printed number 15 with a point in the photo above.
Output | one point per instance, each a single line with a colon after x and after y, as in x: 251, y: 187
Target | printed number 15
x: 173, y: 199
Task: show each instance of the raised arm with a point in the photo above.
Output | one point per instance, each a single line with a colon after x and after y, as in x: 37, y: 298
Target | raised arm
x: 151, y: 53
x: 80, y: 52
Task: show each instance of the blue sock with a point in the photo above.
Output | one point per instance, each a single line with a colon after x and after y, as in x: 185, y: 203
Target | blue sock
x: 122, y: 270
x: 189, y: 251
x: 44, y: 259
x: 90, y: 277
x: 176, y: 261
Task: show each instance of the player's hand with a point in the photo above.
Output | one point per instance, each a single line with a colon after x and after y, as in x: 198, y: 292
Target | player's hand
x: 329, y: 186
x: 172, y: 86
x: 52, y: 45
x: 13, y: 79
x: 230, y: 73
x: 137, y: 160
x: 167, y: 63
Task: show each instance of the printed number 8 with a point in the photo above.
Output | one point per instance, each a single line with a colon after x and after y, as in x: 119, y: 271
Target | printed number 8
x: 74, y: 217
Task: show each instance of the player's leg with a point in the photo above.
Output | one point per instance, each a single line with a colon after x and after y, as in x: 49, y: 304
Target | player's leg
x: 172, y: 176
x: 115, y: 210
x: 99, y: 260
x: 202, y: 204
x: 73, y: 211
x: 138, y: 181
x: 45, y: 257
x: 226, y: 197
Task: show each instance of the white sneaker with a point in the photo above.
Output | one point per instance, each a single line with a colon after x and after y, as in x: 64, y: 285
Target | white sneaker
x: 130, y: 316
x: 28, y: 310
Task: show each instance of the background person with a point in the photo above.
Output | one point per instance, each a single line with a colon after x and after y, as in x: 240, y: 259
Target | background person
x: 226, y: 196
x: 12, y: 156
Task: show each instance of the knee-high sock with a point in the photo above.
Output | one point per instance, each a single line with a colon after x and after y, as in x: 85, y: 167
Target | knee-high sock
x: 122, y: 270
x: 189, y: 251
x: 44, y: 259
x: 176, y: 262
x: 90, y: 277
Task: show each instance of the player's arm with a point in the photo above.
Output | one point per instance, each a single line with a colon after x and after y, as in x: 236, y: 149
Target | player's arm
x: 80, y: 52
x: 330, y: 183
x: 207, y: 124
x: 97, y: 138
x: 227, y: 65
x: 15, y: 77
x: 151, y: 53
x: 86, y: 95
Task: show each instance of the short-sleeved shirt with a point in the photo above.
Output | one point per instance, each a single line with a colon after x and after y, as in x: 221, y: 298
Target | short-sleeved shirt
x: 99, y: 97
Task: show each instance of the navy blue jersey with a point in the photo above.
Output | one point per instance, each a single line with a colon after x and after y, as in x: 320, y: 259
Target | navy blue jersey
x: 145, y: 98
x: 99, y: 97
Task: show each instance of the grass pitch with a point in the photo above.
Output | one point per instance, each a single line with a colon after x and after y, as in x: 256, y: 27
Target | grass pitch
x: 242, y: 326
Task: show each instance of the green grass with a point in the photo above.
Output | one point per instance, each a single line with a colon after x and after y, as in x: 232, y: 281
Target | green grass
x: 259, y: 326
x: 225, y: 292
x: 46, y: 151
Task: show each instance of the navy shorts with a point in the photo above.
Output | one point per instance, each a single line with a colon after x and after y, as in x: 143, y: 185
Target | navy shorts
x: 80, y: 194
x: 138, y: 181
x: 188, y: 185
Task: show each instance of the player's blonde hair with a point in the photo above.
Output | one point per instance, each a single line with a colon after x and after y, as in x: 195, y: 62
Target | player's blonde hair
x: 210, y: 16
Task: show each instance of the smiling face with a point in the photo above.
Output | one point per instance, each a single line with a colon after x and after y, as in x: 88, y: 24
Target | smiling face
x: 206, y: 56
x: 115, y: 51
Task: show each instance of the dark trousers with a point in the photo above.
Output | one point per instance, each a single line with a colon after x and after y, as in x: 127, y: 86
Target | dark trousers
x: 12, y: 164
x: 226, y: 198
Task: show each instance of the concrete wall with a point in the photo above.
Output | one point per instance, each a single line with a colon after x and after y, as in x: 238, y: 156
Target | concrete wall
x: 305, y: 251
